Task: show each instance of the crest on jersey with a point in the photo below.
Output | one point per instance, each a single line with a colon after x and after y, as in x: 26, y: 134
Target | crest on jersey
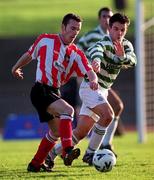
x: 59, y: 66
x: 67, y: 57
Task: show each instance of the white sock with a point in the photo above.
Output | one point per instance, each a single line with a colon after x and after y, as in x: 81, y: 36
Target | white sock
x: 108, y: 138
x: 75, y: 141
x: 96, y: 138
x: 57, y: 149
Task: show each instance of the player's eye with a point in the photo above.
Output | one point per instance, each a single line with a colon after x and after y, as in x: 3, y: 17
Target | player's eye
x: 106, y: 16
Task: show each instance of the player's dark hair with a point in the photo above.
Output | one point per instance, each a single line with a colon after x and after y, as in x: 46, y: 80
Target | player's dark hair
x: 70, y: 16
x: 107, y: 9
x: 119, y: 17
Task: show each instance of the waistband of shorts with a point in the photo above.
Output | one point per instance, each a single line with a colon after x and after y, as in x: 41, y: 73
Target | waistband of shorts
x: 86, y: 79
x: 47, y: 86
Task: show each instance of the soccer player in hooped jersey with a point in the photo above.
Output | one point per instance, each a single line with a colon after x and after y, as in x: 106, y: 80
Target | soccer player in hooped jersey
x: 88, y: 40
x: 58, y: 58
x: 108, y: 57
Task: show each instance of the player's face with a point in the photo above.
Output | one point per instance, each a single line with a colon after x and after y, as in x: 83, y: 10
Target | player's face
x: 70, y: 31
x: 104, y: 19
x: 118, y: 31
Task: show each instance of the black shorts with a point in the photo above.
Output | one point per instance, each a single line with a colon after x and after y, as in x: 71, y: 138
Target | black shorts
x: 42, y: 96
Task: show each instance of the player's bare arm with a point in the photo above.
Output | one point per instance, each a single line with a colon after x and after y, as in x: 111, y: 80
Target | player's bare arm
x: 17, y: 68
x: 96, y: 65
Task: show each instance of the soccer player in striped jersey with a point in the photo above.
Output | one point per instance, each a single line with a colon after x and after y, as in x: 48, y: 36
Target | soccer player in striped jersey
x: 108, y: 56
x: 57, y: 59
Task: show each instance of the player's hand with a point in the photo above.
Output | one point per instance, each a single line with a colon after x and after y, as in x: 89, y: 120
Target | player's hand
x: 119, y: 49
x: 93, y: 85
x: 17, y: 73
x: 96, y: 66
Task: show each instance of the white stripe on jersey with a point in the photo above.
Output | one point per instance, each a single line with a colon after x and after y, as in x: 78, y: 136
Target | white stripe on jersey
x: 49, y: 43
x: 56, y: 62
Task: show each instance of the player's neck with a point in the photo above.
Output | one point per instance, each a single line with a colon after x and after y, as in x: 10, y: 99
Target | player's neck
x: 63, y: 40
x: 105, y: 30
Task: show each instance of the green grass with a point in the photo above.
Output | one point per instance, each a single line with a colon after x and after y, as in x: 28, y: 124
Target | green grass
x: 31, y: 17
x: 135, y: 161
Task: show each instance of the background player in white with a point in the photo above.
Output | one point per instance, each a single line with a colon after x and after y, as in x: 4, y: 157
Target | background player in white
x: 57, y: 58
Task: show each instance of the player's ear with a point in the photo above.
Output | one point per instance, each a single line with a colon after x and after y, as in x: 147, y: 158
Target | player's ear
x: 63, y: 27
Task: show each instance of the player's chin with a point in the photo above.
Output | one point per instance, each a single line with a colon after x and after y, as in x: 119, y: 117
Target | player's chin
x: 71, y: 40
x: 119, y: 39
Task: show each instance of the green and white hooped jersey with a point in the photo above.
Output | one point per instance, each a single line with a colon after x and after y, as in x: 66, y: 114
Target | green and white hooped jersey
x: 111, y: 64
x: 90, y: 38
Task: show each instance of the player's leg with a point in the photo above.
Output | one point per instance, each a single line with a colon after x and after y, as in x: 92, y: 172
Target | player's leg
x: 46, y: 144
x: 41, y: 100
x: 117, y: 106
x: 97, y: 102
x: 84, y: 125
x: 48, y: 103
x: 106, y: 114
x: 65, y: 130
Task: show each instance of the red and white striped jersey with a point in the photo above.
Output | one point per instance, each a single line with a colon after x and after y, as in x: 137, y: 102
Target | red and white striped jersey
x: 56, y: 61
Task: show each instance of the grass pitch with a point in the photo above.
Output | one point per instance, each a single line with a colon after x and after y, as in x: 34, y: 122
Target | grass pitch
x: 135, y: 161
x: 31, y: 18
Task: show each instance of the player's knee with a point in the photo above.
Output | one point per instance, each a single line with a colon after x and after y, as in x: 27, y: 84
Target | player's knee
x: 106, y: 119
x: 109, y: 117
x: 52, y: 136
x: 55, y: 133
x: 69, y: 110
x: 67, y: 114
x: 118, y: 108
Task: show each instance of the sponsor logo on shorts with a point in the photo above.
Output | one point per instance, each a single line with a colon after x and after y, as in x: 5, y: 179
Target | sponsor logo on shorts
x: 100, y: 98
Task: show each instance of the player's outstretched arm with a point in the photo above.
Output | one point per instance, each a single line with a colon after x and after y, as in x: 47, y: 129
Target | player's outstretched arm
x: 23, y: 60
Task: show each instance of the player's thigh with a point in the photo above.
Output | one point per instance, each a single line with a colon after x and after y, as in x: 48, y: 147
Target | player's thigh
x: 114, y: 99
x: 60, y: 106
x: 105, y: 112
x: 93, y: 98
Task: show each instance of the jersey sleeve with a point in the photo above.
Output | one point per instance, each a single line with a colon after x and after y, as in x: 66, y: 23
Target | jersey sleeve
x: 34, y: 48
x: 131, y: 59
x: 82, y: 64
x: 96, y: 52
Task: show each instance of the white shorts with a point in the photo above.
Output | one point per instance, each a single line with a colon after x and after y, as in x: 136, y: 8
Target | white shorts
x: 91, y: 98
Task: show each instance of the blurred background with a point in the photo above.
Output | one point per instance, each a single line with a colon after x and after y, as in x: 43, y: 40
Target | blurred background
x: 22, y: 21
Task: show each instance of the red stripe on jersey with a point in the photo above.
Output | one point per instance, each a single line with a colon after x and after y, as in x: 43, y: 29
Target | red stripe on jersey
x: 54, y: 72
x: 84, y: 60
x: 77, y: 64
x: 42, y: 54
x: 76, y: 69
x: 66, y: 61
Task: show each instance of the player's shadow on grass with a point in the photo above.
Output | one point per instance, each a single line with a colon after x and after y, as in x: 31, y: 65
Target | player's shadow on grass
x: 20, y: 174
